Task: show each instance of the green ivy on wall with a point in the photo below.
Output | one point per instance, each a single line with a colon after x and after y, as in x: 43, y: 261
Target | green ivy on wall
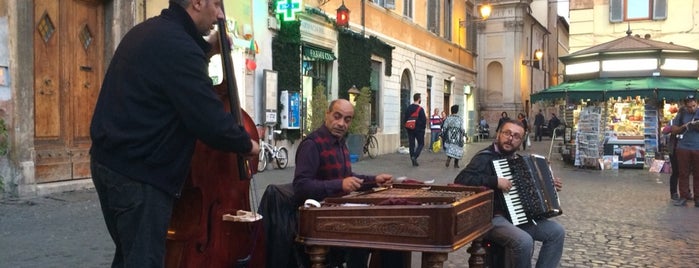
x: 354, y: 61
x: 286, y: 59
x: 383, y: 50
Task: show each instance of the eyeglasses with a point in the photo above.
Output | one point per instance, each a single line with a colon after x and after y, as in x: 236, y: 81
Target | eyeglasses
x: 514, y: 136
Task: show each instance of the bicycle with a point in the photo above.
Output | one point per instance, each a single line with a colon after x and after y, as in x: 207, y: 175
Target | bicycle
x: 268, y: 153
x: 371, y: 144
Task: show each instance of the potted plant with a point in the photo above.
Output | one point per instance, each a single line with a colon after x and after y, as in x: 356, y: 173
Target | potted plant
x: 319, y: 105
x: 360, y: 123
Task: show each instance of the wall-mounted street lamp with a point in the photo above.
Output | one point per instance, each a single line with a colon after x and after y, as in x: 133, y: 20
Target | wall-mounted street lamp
x: 484, y: 10
x: 343, y: 14
x: 353, y: 93
x: 538, y: 54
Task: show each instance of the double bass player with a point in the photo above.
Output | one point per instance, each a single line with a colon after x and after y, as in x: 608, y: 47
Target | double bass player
x: 156, y: 100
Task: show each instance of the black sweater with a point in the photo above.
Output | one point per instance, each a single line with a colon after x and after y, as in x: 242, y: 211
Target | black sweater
x: 481, y: 172
x: 156, y: 100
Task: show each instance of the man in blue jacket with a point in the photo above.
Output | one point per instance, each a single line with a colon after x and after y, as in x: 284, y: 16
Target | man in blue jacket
x: 156, y: 100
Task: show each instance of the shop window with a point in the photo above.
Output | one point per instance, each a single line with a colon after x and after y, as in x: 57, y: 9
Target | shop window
x: 631, y: 10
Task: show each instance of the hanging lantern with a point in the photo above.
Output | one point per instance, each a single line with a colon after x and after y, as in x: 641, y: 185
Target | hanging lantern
x: 251, y: 65
x: 342, y: 19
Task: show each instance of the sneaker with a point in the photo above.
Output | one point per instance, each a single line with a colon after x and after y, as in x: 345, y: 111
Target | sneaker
x: 681, y: 202
x: 675, y: 196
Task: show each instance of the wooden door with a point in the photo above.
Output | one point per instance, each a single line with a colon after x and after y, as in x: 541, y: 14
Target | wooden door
x: 68, y: 60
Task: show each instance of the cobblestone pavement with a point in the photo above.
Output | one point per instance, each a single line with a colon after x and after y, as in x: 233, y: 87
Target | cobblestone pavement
x: 619, y: 218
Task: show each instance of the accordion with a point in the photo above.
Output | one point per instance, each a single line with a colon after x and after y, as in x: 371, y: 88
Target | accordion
x: 533, y: 195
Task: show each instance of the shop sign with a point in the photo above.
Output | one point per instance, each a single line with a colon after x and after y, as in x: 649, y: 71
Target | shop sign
x: 288, y: 9
x: 318, y: 54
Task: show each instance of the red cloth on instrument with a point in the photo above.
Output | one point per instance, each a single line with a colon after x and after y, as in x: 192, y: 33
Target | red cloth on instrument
x: 396, y: 201
x: 411, y: 181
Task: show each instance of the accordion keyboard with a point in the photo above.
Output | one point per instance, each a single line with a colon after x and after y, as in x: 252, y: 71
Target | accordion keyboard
x: 512, y: 198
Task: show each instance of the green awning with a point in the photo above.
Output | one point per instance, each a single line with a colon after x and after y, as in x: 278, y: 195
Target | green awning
x: 671, y: 88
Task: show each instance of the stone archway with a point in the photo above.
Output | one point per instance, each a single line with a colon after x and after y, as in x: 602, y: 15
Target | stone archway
x: 405, y: 100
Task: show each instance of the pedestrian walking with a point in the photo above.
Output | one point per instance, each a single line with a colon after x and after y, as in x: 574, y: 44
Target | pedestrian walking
x: 435, y: 127
x: 453, y: 136
x: 523, y: 119
x: 538, y: 125
x: 416, y: 130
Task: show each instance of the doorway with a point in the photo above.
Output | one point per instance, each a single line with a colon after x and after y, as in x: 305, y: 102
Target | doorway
x: 68, y: 70
x: 405, y: 100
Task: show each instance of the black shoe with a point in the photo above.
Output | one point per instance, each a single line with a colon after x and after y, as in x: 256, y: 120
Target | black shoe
x: 447, y: 164
x: 696, y: 203
x: 456, y: 166
x: 414, y: 161
x: 680, y: 202
x: 675, y: 196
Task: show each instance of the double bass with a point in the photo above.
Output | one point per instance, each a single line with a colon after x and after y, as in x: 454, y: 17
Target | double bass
x: 212, y: 224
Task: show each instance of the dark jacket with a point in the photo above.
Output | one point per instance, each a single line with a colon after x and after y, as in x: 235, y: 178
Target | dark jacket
x: 481, y: 172
x: 539, y: 119
x: 156, y: 100
x: 421, y: 122
x: 554, y: 123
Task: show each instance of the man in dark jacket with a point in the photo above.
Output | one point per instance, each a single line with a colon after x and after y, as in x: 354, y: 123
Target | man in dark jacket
x: 417, y: 134
x: 518, y: 241
x: 156, y: 100
x: 538, y: 125
x: 554, y: 122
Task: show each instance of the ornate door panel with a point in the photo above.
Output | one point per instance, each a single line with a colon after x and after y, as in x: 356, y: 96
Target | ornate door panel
x: 68, y: 60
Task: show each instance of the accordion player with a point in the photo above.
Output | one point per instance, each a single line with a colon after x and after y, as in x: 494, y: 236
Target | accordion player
x: 533, y: 194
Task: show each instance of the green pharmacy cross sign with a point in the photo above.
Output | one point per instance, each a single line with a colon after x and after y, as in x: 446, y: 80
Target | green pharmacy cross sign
x: 288, y: 9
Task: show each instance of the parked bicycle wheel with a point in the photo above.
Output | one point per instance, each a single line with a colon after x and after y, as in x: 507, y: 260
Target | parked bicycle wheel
x: 262, y: 162
x: 282, y: 158
x: 372, y: 147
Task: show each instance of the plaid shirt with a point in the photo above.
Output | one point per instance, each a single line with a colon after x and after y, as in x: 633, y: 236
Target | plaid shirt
x: 322, y: 162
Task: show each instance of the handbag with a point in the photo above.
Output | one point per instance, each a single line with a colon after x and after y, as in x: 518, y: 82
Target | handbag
x: 529, y: 143
x: 437, y: 145
x: 667, y: 168
x: 410, y: 123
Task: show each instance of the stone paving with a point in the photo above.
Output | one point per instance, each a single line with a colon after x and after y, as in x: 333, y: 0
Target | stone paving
x: 613, y: 218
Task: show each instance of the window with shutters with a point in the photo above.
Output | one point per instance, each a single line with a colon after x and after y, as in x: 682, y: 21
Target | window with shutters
x: 433, y: 16
x: 390, y: 4
x: 408, y: 8
x: 447, y: 19
x: 633, y: 10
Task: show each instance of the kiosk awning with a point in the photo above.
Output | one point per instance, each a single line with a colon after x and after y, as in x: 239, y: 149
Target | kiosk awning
x: 672, y: 88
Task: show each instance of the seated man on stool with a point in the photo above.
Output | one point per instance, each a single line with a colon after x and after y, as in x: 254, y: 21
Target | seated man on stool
x: 323, y: 169
x: 518, y: 241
